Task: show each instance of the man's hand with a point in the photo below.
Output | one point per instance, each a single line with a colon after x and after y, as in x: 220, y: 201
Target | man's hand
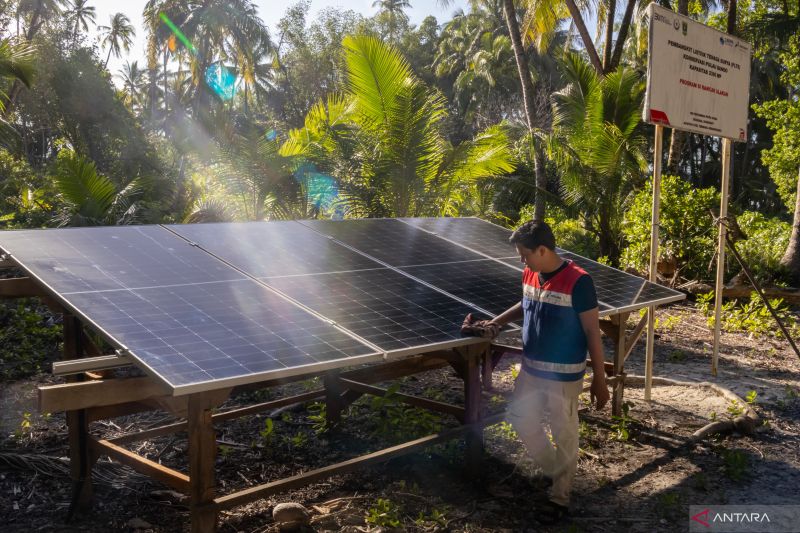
x: 599, y: 391
x: 480, y: 328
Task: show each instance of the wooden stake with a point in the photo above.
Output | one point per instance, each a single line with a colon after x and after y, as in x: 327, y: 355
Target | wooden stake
x: 651, y: 311
x: 723, y: 231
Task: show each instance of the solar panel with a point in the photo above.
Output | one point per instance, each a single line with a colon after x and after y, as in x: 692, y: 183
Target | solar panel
x: 473, y: 233
x: 391, y: 241
x: 106, y: 258
x: 378, y: 304
x: 188, y: 318
x: 382, y: 306
x: 226, y: 333
x: 281, y: 248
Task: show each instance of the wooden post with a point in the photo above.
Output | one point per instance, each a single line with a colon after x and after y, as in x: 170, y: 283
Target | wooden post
x: 472, y: 407
x: 619, y: 360
x: 333, y: 397
x: 723, y: 231
x: 202, y: 455
x: 653, y: 276
x: 80, y: 458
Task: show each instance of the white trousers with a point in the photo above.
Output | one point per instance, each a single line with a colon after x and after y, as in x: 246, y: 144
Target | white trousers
x: 537, y: 401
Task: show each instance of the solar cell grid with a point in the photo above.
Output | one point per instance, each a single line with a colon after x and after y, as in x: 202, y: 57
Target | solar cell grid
x: 486, y: 283
x: 474, y: 233
x: 382, y: 306
x: 392, y: 241
x: 106, y: 258
x: 280, y: 248
x: 216, y: 332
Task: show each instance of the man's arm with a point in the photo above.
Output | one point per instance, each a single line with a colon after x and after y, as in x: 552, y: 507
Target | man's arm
x: 590, y: 320
x: 509, y: 315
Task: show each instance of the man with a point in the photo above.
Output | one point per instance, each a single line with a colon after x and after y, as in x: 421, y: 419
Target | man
x: 560, y: 323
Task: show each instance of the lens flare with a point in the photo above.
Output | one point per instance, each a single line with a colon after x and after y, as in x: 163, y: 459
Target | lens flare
x: 321, y: 189
x: 221, y: 80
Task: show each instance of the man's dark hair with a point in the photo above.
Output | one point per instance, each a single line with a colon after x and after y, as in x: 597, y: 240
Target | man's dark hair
x: 533, y: 234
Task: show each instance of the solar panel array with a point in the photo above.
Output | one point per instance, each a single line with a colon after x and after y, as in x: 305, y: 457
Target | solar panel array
x: 215, y: 305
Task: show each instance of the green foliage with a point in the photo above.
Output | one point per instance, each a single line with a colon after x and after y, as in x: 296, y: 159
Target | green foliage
x: 268, y: 431
x: 767, y: 239
x: 395, y: 419
x: 686, y: 229
x: 783, y: 118
x: 318, y: 417
x: 26, y: 198
x: 598, y: 146
x: 735, y: 409
x: 92, y: 199
x: 750, y: 397
x: 383, y: 142
x: 28, y: 338
x: 621, y: 424
x: 735, y: 464
x: 751, y: 316
x: 384, y: 513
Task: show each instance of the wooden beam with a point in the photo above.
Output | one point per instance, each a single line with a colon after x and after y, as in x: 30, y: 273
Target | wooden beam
x: 20, y: 288
x: 395, y: 369
x: 231, y: 414
x: 424, y: 403
x: 81, y: 395
x: 263, y: 491
x: 7, y: 263
x: 172, y: 478
x: 630, y: 340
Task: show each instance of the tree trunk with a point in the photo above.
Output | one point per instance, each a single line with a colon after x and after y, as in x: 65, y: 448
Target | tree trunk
x: 732, y: 17
x: 678, y: 138
x: 612, y: 11
x: 791, y: 259
x: 585, y: 37
x: 622, y: 35
x: 528, y: 103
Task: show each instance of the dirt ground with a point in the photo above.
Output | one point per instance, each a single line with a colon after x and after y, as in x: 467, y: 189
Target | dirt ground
x: 641, y: 482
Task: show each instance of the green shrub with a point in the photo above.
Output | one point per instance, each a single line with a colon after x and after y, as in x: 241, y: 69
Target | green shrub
x: 686, y: 228
x: 29, y: 338
x: 767, y: 239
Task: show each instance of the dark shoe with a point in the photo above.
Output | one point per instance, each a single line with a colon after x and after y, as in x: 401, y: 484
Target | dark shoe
x: 550, y: 513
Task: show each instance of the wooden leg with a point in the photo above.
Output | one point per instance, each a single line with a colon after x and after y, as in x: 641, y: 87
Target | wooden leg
x: 334, y: 403
x: 202, y: 454
x: 80, y: 459
x: 619, y: 361
x: 472, y: 408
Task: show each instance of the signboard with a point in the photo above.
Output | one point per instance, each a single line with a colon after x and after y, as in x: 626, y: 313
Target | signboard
x: 698, y: 78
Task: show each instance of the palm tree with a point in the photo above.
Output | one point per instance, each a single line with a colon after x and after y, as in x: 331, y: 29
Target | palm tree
x: 17, y: 63
x: 80, y: 14
x: 382, y: 141
x: 219, y: 29
x: 132, y: 82
x: 598, y: 145
x: 393, y: 10
x: 118, y: 36
x: 39, y: 11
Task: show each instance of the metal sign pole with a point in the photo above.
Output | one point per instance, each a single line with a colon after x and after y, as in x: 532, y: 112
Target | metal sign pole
x: 723, y: 231
x: 651, y: 311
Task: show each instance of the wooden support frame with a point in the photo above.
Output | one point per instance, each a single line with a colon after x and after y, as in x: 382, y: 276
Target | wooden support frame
x: 94, y: 401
